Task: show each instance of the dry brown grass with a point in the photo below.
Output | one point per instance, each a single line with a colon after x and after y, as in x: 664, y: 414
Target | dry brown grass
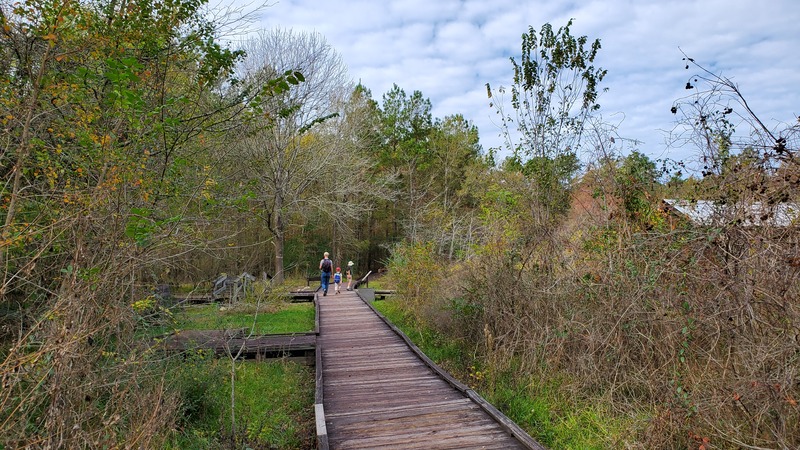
x: 695, y: 327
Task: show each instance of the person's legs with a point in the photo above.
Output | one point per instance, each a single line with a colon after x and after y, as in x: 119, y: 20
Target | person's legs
x: 324, y: 282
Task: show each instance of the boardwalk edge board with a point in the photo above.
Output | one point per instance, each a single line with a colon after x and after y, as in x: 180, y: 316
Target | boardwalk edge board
x: 316, y: 315
x: 319, y: 410
x: 509, y: 425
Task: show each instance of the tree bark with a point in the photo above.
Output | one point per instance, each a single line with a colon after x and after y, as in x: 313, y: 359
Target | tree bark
x: 280, y: 236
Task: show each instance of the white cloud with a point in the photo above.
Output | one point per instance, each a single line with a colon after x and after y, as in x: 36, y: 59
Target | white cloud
x: 450, y: 49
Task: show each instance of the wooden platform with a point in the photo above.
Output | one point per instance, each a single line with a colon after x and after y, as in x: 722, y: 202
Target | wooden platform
x: 299, y: 347
x: 376, y: 390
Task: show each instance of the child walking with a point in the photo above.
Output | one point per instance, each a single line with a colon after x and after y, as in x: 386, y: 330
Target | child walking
x: 337, y: 280
x: 349, y: 274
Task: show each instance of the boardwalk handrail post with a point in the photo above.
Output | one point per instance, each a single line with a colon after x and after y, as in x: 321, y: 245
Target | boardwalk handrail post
x: 363, y: 279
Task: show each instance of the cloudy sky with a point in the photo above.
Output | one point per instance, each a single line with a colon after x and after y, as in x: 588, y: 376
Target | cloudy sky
x: 450, y: 49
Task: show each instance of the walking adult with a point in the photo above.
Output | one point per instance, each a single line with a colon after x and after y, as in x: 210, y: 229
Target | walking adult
x: 325, y: 267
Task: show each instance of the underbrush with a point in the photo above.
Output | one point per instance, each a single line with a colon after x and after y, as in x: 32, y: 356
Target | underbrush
x: 540, y: 406
x: 448, y: 353
x: 666, y: 339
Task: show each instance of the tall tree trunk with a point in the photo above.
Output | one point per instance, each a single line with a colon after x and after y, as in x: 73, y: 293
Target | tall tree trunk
x: 280, y: 236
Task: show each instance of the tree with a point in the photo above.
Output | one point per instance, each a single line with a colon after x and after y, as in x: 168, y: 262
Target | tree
x: 430, y: 157
x: 553, y: 94
x: 407, y: 124
x: 635, y: 180
x: 446, y: 215
x: 302, y: 149
x: 360, y: 186
x: 454, y: 145
x: 101, y: 103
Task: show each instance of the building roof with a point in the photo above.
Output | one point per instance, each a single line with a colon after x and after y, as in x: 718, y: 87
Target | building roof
x: 707, y: 212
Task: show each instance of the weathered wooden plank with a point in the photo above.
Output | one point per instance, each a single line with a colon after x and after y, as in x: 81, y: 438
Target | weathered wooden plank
x: 221, y: 342
x: 422, y: 406
x: 360, y: 335
x: 414, y: 431
x: 405, y: 371
x: 366, y: 346
x: 440, y: 420
x: 371, y: 406
x: 350, y: 355
x: 370, y: 357
x: 466, y: 438
x: 358, y: 351
x: 350, y: 329
x: 339, y: 316
x: 386, y: 395
x: 316, y: 316
x: 447, y: 444
x: 344, y: 382
x: 350, y: 333
x: 349, y: 321
x: 319, y: 406
x: 356, y: 363
x: 458, y: 418
x: 320, y: 379
x: 351, y: 371
x: 361, y: 339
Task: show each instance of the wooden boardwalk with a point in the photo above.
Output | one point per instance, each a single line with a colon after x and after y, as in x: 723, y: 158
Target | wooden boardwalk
x: 376, y: 390
x: 298, y: 347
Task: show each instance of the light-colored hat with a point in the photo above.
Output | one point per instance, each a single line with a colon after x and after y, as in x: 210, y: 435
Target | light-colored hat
x: 350, y: 263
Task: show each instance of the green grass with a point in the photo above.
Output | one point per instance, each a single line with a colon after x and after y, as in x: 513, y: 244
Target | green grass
x: 374, y: 284
x: 295, y: 282
x: 552, y: 416
x: 379, y: 282
x: 273, y: 405
x: 445, y: 352
x: 548, y: 413
x: 285, y: 318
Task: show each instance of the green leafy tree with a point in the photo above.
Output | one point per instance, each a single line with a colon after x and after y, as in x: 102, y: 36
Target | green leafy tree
x: 455, y: 145
x: 430, y: 158
x: 103, y: 104
x: 447, y: 216
x: 407, y: 123
x: 553, y: 94
x: 636, y: 180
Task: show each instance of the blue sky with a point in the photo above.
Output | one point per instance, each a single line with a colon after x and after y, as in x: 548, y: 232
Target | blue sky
x: 450, y: 49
